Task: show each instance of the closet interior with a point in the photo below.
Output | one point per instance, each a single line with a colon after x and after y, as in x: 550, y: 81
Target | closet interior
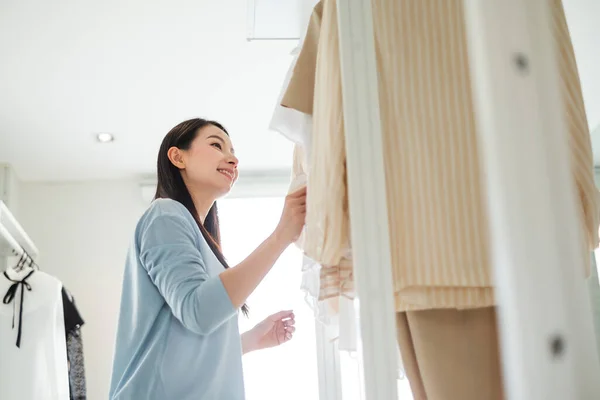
x: 40, y: 326
x: 451, y: 153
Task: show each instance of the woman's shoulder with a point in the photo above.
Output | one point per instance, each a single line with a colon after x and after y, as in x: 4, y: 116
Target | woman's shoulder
x: 165, y: 208
x: 166, y: 219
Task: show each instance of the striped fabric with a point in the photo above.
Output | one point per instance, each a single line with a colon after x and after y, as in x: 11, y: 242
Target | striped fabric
x: 438, y: 224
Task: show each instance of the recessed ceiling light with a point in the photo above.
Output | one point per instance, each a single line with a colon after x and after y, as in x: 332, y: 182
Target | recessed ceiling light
x: 105, y: 137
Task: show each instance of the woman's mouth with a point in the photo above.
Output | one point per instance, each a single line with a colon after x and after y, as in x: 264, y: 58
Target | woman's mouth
x: 227, y: 173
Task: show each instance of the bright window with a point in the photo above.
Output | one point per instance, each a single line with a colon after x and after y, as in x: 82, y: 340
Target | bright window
x: 288, y: 371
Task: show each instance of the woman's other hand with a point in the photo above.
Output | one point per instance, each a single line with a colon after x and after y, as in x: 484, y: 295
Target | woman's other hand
x: 293, y: 216
x: 272, y: 331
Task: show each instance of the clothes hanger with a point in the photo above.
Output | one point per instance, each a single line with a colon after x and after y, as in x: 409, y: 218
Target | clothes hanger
x: 32, y: 263
x: 25, y: 261
x: 21, y: 264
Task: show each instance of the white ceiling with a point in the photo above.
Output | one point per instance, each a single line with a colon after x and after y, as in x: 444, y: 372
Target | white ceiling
x: 135, y: 68
x: 69, y: 69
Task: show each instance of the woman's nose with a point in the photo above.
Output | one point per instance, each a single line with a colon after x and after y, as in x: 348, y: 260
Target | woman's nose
x: 233, y: 161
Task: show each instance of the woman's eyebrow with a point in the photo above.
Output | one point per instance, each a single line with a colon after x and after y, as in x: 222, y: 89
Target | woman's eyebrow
x: 219, y: 138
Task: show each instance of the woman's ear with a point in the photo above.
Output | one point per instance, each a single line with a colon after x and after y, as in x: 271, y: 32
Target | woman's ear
x: 176, y: 157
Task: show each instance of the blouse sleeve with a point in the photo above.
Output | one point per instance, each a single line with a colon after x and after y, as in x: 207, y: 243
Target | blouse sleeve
x: 168, y: 251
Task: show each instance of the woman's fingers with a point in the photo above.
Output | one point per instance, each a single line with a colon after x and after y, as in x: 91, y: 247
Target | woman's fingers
x: 290, y: 329
x: 281, y: 315
x: 289, y: 322
x: 288, y: 334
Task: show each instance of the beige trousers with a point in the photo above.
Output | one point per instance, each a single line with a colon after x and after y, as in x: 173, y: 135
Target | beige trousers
x: 451, y: 354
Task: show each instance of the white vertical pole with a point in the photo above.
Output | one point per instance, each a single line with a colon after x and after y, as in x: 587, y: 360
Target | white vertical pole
x: 367, y: 199
x: 328, y: 359
x: 545, y: 320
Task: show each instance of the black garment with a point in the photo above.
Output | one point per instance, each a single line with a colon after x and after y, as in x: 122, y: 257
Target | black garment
x: 73, y: 324
x: 73, y: 319
x: 10, y: 295
x: 77, y: 381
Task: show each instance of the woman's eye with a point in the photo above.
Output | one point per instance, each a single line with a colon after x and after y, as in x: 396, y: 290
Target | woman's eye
x: 218, y: 146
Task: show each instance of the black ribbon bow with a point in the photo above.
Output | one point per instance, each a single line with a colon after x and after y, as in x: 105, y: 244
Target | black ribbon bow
x: 10, y: 295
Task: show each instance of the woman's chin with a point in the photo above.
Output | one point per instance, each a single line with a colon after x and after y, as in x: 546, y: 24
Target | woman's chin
x: 224, y: 191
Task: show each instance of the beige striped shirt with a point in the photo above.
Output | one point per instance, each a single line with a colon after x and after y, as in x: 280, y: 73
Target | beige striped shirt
x: 438, y: 223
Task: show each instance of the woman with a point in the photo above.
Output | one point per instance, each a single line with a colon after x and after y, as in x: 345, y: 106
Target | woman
x: 178, y: 335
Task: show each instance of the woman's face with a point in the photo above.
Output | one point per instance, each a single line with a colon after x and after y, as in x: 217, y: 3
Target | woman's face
x: 209, y: 164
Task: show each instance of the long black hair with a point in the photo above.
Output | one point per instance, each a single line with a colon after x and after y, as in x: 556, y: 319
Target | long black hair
x: 171, y: 184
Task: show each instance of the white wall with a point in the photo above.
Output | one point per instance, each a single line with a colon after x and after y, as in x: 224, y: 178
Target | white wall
x: 82, y: 231
x: 9, y: 188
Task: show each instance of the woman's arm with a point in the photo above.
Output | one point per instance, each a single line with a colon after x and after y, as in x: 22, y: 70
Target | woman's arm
x: 247, y: 344
x: 241, y: 280
x: 169, y: 254
x: 174, y: 264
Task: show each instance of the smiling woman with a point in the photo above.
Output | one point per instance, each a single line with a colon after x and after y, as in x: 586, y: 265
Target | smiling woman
x: 190, y: 161
x: 180, y: 299
x: 203, y: 152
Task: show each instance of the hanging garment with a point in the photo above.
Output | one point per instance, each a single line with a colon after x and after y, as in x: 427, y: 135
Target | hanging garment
x: 333, y: 280
x: 435, y: 342
x: 295, y: 124
x: 337, y: 312
x: 11, y: 294
x: 38, y: 368
x: 327, y: 231
x: 73, y: 324
x: 77, y: 381
x: 438, y: 224
x: 292, y: 124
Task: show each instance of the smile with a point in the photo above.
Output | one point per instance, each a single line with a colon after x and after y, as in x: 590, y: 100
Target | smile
x: 227, y: 173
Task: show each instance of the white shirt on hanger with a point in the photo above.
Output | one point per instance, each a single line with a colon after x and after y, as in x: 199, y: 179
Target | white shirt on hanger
x: 292, y: 124
x: 38, y: 369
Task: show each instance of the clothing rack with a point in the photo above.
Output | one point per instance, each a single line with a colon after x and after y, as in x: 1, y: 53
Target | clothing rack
x: 548, y: 347
x: 14, y: 241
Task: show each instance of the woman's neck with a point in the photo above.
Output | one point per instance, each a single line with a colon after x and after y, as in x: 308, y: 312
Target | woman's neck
x: 202, y: 203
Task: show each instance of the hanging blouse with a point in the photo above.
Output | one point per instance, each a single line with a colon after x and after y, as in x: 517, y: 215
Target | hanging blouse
x: 38, y: 368
x: 9, y: 298
x: 336, y: 313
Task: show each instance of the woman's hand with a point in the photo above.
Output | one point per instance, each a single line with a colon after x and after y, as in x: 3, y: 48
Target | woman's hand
x: 273, y: 331
x: 293, y: 216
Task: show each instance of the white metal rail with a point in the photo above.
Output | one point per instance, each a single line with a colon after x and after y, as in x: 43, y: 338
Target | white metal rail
x: 368, y: 208
x: 546, y: 329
